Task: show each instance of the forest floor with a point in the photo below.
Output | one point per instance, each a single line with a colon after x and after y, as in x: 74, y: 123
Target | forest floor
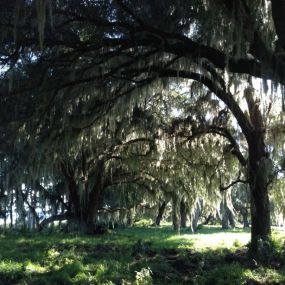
x: 140, y: 256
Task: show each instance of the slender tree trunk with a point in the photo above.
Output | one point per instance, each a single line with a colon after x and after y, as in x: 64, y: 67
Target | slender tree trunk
x: 5, y: 213
x: 244, y: 214
x: 175, y: 214
x: 183, y: 214
x: 11, y: 208
x: 130, y: 217
x: 20, y: 208
x: 161, y: 210
x: 35, y: 220
x: 195, y: 215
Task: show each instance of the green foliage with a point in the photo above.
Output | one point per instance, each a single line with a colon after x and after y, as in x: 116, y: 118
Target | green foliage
x: 265, y: 276
x: 143, y: 223
x: 11, y: 272
x: 237, y: 243
x: 143, y: 277
x: 56, y: 259
x: 223, y: 275
x: 95, y: 90
x: 270, y: 250
x: 200, y: 227
x: 276, y: 242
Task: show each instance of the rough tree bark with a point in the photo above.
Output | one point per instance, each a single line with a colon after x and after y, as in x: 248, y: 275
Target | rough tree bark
x: 227, y: 211
x: 85, y: 210
x: 258, y: 173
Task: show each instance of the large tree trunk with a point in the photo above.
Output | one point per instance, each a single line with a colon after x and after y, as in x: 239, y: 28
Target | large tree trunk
x: 227, y: 211
x: 94, y: 199
x: 85, y: 210
x: 74, y: 200
x: 161, y: 210
x: 259, y: 174
x: 260, y: 167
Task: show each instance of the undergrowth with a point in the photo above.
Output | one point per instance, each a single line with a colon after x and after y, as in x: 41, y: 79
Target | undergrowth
x: 139, y: 256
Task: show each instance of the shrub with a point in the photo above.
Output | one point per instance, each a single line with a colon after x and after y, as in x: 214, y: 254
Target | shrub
x: 143, y: 223
x: 228, y: 274
x: 143, y: 277
x: 237, y: 243
x: 11, y: 272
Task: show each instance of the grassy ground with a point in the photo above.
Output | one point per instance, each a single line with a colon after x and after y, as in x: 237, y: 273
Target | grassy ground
x: 136, y: 256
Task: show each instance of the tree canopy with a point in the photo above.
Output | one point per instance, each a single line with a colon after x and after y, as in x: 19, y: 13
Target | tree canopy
x: 100, y: 93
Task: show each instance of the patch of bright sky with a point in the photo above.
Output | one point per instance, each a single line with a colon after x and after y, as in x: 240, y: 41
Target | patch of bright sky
x: 3, y: 69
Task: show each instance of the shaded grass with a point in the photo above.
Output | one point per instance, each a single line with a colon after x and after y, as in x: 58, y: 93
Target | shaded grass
x: 132, y: 256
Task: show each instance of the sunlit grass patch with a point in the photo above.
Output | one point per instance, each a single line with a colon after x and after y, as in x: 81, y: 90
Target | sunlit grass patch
x: 222, y: 239
x: 32, y: 268
x: 10, y: 271
x: 210, y: 237
x: 265, y: 276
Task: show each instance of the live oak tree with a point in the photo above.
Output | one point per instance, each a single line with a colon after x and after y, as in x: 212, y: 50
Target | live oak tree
x: 110, y: 50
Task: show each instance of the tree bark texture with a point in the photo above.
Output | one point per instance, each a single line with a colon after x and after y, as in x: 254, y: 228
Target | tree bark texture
x: 227, y: 211
x: 259, y: 169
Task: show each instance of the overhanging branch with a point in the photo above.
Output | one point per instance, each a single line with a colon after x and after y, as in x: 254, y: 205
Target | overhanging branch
x: 238, y: 180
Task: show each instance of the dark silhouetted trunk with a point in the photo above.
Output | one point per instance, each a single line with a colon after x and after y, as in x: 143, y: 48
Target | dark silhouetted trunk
x: 208, y: 219
x: 244, y: 214
x: 183, y: 214
x: 11, y: 208
x: 260, y: 169
x: 74, y: 200
x: 175, y: 214
x: 94, y: 198
x: 161, y: 210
